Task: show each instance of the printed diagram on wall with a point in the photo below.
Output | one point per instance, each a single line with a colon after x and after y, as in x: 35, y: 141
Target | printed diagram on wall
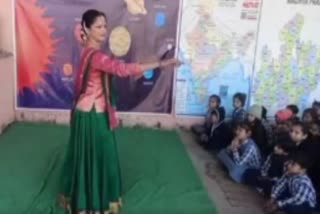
x: 288, y: 57
x: 49, y: 47
x: 217, y: 45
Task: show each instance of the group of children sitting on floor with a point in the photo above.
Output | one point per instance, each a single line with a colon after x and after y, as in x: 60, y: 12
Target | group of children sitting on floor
x: 281, y: 161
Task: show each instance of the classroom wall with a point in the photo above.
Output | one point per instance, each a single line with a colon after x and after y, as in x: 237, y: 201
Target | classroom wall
x: 126, y: 119
x: 7, y: 109
x: 7, y: 94
x: 7, y: 113
x: 6, y: 24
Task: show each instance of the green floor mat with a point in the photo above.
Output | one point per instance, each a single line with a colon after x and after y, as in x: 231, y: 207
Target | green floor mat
x: 158, y: 176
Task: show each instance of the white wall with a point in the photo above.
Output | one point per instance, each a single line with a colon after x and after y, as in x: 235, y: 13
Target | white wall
x: 6, y: 64
x: 6, y: 23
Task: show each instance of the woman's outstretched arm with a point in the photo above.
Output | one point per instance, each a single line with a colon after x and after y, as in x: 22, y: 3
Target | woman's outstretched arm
x: 116, y: 67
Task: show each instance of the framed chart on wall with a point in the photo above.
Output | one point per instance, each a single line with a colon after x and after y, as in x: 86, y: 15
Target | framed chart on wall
x: 48, y: 50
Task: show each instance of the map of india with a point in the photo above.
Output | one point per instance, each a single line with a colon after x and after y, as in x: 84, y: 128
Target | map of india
x: 288, y: 60
x: 217, y: 47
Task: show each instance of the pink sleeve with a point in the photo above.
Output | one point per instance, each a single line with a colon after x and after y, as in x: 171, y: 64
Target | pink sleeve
x: 104, y: 63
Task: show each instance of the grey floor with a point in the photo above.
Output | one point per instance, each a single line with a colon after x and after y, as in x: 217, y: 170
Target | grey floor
x: 228, y: 197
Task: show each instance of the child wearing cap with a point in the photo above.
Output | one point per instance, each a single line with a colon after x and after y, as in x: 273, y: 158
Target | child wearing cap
x: 283, y: 125
x: 282, y: 117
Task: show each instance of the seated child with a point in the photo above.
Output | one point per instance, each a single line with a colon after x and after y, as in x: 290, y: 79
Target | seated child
x: 314, y: 171
x: 272, y: 169
x: 214, y: 103
x: 242, y: 154
x: 259, y: 134
x: 310, y: 146
x: 282, y: 127
x: 314, y: 131
x: 300, y: 136
x: 295, y: 111
x: 309, y: 117
x: 294, y: 192
x: 266, y: 124
x: 239, y: 114
x: 316, y: 107
x: 217, y: 136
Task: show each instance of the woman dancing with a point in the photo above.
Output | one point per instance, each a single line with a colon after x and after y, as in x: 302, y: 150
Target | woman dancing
x: 91, y: 181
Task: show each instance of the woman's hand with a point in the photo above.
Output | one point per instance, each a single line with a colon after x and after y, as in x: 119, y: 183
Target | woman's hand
x: 168, y: 62
x: 153, y: 65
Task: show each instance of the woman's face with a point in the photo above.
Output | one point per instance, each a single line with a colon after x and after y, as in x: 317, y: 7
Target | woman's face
x: 98, y: 30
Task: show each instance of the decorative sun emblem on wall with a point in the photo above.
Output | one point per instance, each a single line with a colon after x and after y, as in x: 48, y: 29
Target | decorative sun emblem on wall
x: 35, y: 45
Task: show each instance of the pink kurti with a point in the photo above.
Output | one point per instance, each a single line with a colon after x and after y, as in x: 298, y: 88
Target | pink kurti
x: 93, y: 95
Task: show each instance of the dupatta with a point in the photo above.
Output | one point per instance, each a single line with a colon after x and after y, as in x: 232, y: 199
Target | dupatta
x: 107, y: 85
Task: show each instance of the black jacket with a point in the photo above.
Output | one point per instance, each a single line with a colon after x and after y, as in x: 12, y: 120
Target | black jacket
x: 277, y: 165
x: 260, y: 137
x: 219, y: 137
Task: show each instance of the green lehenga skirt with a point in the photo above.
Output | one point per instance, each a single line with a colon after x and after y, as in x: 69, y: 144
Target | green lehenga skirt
x: 91, y: 181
